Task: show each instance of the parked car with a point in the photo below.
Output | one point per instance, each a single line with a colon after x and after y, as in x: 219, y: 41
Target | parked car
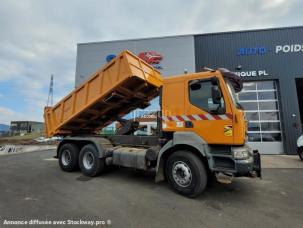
x: 300, y: 147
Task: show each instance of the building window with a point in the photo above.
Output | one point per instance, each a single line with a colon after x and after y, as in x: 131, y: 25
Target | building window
x: 261, y: 107
x: 248, y: 96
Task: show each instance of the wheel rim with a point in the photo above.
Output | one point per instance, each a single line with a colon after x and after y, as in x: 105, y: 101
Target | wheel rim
x: 88, y: 160
x: 182, y: 173
x: 66, y: 157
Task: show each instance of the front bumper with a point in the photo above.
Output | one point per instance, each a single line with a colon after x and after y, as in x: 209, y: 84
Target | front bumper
x: 249, y: 167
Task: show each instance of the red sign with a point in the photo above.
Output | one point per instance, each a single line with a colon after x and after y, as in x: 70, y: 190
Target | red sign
x: 151, y: 57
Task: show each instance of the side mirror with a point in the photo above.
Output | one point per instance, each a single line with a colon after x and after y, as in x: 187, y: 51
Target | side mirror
x: 214, y: 81
x: 216, y: 95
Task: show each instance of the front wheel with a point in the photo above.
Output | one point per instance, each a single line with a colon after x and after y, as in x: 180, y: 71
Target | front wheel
x: 89, y: 161
x: 186, y: 173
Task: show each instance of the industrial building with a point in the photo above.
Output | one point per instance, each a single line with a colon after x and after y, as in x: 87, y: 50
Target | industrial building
x: 268, y: 60
x: 24, y: 127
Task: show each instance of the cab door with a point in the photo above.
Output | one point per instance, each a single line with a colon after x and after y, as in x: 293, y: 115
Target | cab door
x: 208, y: 107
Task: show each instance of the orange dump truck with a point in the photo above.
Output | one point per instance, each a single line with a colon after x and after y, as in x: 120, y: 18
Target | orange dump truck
x: 201, y: 126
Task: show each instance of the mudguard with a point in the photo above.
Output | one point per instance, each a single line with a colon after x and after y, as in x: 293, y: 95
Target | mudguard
x: 100, y: 143
x: 181, y: 138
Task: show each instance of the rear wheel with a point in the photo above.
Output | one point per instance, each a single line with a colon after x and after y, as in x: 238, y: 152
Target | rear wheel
x: 186, y: 173
x: 89, y: 161
x: 69, y: 157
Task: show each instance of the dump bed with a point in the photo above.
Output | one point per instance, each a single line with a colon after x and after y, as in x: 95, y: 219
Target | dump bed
x: 124, y: 84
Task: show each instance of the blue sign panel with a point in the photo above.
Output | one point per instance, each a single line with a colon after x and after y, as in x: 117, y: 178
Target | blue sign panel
x: 243, y: 51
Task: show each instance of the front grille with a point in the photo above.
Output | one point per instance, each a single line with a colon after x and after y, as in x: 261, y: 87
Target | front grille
x: 224, y: 162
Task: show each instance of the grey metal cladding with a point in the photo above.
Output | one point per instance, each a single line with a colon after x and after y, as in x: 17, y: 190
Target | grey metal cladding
x: 221, y: 50
x: 177, y: 52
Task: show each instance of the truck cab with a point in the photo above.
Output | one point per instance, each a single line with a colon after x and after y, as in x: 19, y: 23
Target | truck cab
x: 201, y: 113
x: 200, y: 101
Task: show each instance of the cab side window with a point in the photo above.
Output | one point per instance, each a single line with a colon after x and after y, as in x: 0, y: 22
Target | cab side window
x: 200, y: 95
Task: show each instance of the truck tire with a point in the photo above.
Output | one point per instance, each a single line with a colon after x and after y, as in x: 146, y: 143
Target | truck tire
x: 300, y: 152
x: 90, y: 163
x: 186, y: 173
x: 69, y: 157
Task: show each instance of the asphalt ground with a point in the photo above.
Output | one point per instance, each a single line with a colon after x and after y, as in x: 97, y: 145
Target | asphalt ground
x: 32, y: 187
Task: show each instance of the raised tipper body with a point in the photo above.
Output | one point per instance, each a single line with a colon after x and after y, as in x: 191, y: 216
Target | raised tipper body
x: 121, y: 86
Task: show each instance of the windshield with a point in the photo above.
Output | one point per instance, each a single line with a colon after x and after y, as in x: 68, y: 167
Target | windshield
x: 233, y: 93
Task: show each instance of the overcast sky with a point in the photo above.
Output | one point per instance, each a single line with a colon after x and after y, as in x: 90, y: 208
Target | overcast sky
x: 39, y: 38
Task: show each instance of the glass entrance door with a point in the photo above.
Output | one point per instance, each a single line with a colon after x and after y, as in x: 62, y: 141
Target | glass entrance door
x: 261, y: 105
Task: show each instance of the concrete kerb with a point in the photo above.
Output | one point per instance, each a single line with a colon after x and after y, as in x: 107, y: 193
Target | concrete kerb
x: 19, y: 149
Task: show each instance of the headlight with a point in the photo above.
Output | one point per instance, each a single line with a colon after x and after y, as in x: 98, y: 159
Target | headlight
x: 241, y: 154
